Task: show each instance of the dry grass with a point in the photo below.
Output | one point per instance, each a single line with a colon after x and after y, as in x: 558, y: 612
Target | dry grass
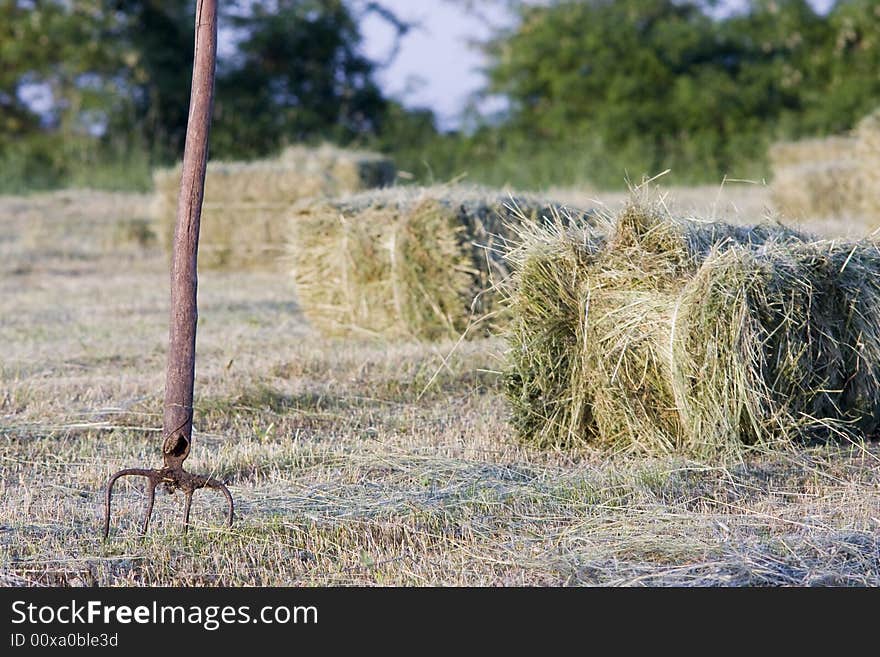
x: 354, y: 463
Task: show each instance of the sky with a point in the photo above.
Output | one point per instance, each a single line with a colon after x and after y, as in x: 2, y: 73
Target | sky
x: 436, y: 67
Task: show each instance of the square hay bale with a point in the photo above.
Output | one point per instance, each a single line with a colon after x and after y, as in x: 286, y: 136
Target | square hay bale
x: 786, y: 154
x: 868, y: 154
x: 343, y: 171
x: 546, y: 337
x: 247, y: 203
x: 816, y: 177
x: 683, y: 335
x: 781, y: 342
x: 414, y: 262
x: 819, y: 189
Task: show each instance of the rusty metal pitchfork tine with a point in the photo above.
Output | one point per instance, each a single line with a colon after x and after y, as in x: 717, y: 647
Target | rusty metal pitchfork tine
x: 151, y: 495
x: 173, y: 478
x: 180, y: 372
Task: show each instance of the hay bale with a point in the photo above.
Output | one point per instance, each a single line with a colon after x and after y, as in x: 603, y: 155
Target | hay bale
x: 592, y: 338
x: 632, y: 306
x: 411, y: 262
x: 868, y: 154
x: 786, y: 154
x: 816, y: 177
x: 820, y: 189
x: 243, y: 212
x: 550, y: 406
x: 343, y: 171
x: 627, y: 370
x: 652, y: 250
x: 780, y: 342
x: 247, y: 203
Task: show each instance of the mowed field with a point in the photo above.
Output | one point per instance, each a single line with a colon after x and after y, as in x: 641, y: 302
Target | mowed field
x: 356, y: 462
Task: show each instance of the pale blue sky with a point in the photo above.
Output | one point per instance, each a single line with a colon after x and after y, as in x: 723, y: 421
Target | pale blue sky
x: 435, y: 66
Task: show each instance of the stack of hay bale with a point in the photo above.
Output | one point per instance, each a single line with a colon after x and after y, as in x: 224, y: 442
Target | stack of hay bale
x: 247, y: 203
x: 411, y: 262
x: 684, y: 335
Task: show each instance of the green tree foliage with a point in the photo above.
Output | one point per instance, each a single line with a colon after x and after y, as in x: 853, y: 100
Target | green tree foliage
x: 293, y: 73
x: 850, y: 66
x: 118, y: 76
x: 61, y: 51
x: 297, y: 76
x: 633, y: 87
x: 153, y: 42
x: 646, y: 85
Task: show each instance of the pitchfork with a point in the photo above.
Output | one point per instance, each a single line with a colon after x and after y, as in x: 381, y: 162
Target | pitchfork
x: 180, y: 373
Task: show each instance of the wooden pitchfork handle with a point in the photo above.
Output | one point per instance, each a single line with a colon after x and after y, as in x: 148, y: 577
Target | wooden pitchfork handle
x: 180, y: 372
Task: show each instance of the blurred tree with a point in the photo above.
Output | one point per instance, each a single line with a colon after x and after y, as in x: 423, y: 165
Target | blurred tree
x: 54, y: 85
x: 849, y: 62
x: 297, y: 76
x: 19, y: 52
x: 651, y: 84
x: 153, y: 42
x: 777, y: 71
x: 114, y: 77
x: 595, y: 89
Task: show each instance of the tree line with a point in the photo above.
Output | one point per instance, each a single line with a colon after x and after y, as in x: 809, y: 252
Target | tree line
x: 96, y: 91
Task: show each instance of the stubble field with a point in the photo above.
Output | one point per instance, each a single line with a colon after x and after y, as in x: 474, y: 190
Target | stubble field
x: 355, y: 462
